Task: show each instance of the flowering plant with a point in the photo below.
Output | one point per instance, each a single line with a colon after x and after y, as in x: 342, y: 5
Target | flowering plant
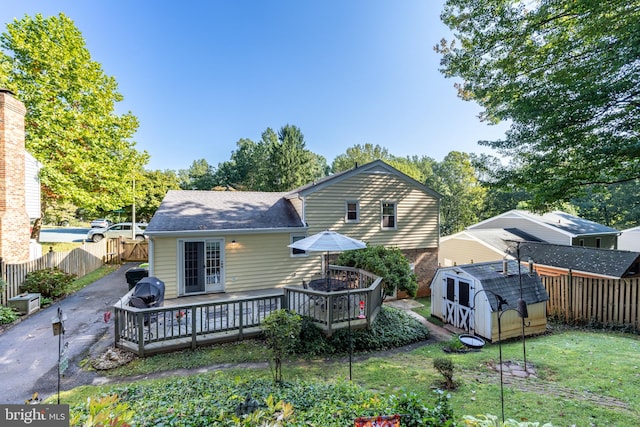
x: 179, y: 315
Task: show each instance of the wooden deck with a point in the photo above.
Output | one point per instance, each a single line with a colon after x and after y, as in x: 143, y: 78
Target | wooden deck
x: 190, y: 322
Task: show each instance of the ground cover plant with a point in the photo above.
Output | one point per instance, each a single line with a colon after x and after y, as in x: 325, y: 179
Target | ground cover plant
x: 582, y: 377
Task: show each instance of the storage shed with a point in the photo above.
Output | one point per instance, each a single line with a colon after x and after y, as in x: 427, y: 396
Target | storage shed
x: 466, y: 296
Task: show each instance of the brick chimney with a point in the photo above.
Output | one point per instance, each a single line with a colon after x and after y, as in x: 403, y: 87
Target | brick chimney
x: 14, y: 221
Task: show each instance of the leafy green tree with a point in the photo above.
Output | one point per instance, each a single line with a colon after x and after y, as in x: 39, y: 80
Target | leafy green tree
x: 565, y: 75
x: 290, y: 164
x: 151, y: 187
x: 359, y: 155
x: 463, y: 196
x: 278, y: 162
x: 246, y: 168
x: 71, y: 126
x: 199, y: 176
x: 615, y: 205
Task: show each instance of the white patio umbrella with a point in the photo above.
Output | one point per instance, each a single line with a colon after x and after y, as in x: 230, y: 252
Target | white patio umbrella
x: 328, y: 241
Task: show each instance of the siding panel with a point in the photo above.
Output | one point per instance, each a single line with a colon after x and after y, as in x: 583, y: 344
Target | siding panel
x: 417, y: 212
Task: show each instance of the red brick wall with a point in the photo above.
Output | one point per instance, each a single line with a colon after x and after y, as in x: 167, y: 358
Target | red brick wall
x: 425, y: 263
x: 14, y: 221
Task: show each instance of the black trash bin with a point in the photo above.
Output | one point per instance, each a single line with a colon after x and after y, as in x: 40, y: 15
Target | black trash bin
x: 134, y: 275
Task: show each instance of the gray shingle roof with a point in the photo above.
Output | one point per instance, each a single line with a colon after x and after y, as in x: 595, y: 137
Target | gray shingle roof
x: 189, y: 210
x: 501, y: 238
x: 578, y: 258
x: 507, y: 286
x: 571, y: 223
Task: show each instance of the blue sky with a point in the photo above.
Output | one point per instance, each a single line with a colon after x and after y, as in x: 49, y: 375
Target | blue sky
x: 200, y: 75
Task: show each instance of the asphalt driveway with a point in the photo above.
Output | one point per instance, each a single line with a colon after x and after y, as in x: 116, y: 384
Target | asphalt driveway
x: 29, y: 350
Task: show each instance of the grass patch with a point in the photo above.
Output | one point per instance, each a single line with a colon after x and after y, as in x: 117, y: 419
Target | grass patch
x: 249, y: 351
x: 87, y: 279
x: 583, y: 377
x: 425, y: 310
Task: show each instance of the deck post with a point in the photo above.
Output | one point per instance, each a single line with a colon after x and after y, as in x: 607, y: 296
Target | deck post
x: 140, y: 337
x: 193, y: 328
x: 241, y: 320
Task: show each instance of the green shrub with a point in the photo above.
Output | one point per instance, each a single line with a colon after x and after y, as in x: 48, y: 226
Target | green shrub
x: 7, y: 315
x: 392, y: 328
x: 415, y: 413
x: 52, y: 283
x: 388, y: 263
x: 281, y: 329
x: 445, y: 366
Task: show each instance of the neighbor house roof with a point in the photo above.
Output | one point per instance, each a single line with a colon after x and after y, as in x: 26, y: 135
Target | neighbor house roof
x: 494, y: 280
x: 499, y: 239
x: 561, y: 221
x: 194, y: 211
x: 604, y: 262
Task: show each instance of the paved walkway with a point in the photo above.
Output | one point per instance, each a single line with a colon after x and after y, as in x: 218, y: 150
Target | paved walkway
x: 29, y: 350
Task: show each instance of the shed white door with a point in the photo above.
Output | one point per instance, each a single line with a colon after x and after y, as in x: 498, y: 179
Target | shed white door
x: 456, y: 307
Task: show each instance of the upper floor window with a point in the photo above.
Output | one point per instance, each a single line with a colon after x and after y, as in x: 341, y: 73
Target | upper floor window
x: 297, y: 252
x: 388, y: 215
x: 352, y: 213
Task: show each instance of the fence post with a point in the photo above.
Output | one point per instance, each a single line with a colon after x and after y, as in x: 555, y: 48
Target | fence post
x: 140, y: 322
x: 570, y: 314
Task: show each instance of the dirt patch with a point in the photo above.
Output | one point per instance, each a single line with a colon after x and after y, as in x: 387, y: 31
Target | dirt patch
x: 112, y: 358
x: 516, y: 377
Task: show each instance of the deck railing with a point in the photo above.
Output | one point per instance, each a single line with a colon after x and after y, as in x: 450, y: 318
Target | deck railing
x: 160, y: 329
x: 356, y: 306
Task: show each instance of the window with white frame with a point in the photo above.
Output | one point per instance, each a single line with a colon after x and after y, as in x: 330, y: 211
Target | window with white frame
x: 352, y: 211
x: 297, y: 252
x: 388, y: 220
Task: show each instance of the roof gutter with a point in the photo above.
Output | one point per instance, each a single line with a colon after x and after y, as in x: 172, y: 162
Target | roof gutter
x: 224, y: 232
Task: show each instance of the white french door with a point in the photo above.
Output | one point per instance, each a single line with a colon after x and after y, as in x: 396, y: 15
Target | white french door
x: 202, y: 266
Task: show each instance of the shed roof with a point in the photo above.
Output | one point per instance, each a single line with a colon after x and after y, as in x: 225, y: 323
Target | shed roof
x: 194, y: 210
x: 492, y: 279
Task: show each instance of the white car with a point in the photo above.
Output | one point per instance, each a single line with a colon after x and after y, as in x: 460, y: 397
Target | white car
x: 122, y: 229
x: 100, y: 223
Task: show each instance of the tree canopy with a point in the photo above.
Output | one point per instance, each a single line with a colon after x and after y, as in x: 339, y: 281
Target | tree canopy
x: 278, y: 162
x: 565, y: 74
x: 71, y: 125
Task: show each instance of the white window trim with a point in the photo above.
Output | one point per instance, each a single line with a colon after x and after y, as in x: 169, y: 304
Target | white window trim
x: 346, y: 211
x: 291, y: 254
x: 395, y: 215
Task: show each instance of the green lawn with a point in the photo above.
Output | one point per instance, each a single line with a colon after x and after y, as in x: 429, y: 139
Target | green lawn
x: 583, y: 378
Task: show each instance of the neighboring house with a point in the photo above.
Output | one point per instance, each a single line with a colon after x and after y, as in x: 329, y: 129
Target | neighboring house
x: 629, y: 239
x: 32, y: 186
x: 475, y: 246
x: 464, y: 296
x: 555, y: 227
x: 472, y: 246
x: 210, y: 241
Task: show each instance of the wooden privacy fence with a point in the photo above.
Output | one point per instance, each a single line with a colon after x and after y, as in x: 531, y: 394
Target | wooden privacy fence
x: 79, y: 261
x: 582, y: 300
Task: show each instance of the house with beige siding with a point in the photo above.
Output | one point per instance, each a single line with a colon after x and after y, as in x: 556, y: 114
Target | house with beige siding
x: 231, y: 241
x: 556, y: 227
